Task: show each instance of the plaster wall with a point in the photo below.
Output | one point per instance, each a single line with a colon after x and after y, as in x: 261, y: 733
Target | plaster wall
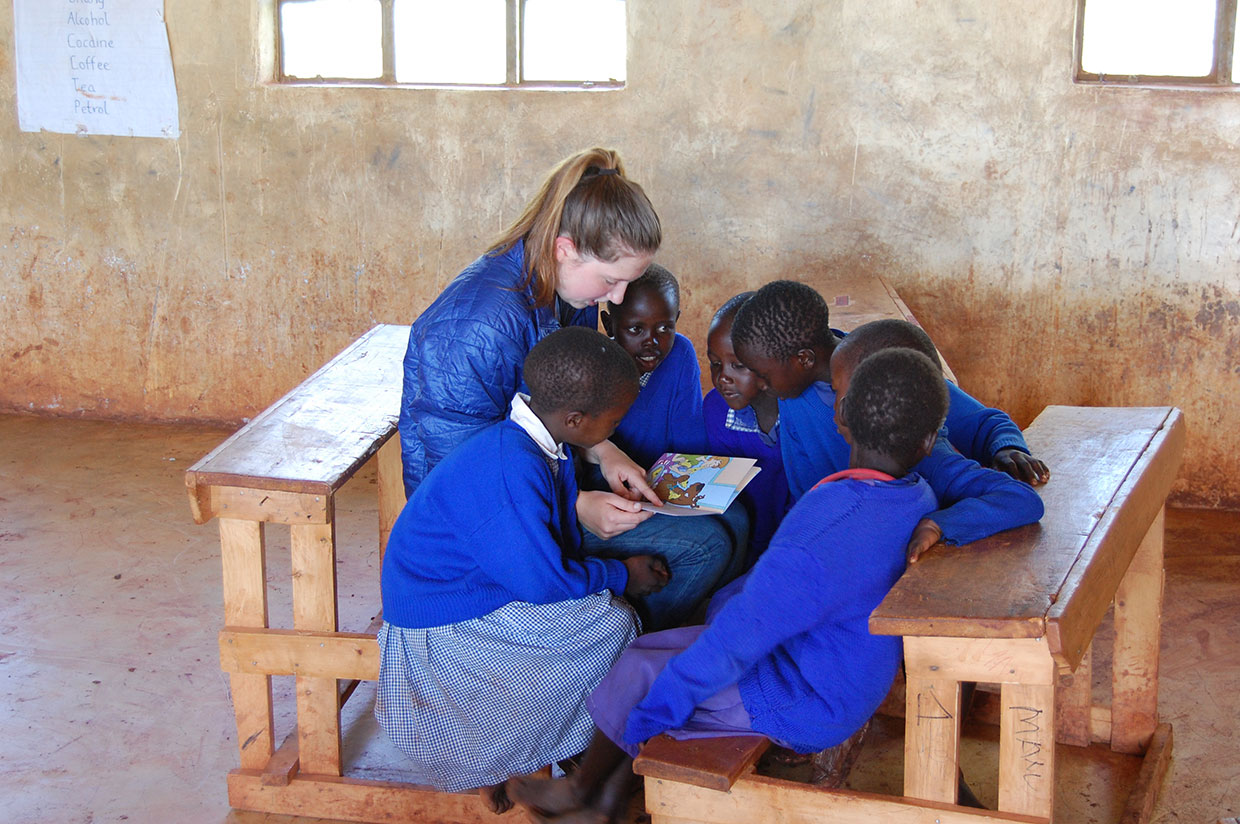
x: 1062, y: 244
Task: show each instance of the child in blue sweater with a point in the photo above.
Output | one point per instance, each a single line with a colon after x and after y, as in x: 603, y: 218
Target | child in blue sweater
x: 496, y: 626
x: 742, y: 419
x: 782, y: 335
x: 705, y: 552
x: 809, y: 674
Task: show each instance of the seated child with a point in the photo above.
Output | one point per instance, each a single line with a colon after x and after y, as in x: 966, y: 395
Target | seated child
x: 781, y: 334
x: 982, y: 433
x: 704, y: 552
x: 742, y: 419
x: 496, y: 626
x: 808, y: 674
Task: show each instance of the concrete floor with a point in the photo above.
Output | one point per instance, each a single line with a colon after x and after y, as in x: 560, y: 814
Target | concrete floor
x: 113, y: 708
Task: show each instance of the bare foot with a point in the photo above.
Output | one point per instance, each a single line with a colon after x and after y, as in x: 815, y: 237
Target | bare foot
x: 548, y: 796
x: 496, y: 798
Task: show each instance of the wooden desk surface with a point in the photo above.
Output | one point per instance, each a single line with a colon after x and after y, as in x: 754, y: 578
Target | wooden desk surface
x: 317, y: 435
x: 1055, y: 578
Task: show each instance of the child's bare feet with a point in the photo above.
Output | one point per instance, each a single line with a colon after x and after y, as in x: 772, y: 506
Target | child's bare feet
x: 547, y: 796
x: 496, y: 798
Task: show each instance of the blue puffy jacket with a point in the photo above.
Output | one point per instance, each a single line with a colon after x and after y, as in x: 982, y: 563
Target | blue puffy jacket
x: 465, y: 358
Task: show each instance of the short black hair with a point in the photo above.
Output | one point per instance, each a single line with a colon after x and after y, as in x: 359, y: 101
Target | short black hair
x: 579, y: 370
x: 886, y: 333
x: 781, y: 319
x: 896, y: 399
x: 730, y: 307
x: 656, y: 279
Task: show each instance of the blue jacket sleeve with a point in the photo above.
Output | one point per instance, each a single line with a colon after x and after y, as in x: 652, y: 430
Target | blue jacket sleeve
x: 540, y: 573
x: 976, y: 502
x: 978, y: 431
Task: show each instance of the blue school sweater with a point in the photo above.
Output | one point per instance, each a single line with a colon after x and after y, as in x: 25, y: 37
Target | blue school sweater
x: 667, y: 415
x: 490, y: 524
x: 809, y: 673
x: 976, y: 502
x: 736, y: 433
x: 979, y: 431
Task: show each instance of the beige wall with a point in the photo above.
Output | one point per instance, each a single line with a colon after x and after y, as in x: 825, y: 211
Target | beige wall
x: 1062, y: 244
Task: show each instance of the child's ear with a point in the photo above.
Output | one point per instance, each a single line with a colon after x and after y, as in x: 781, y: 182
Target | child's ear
x: 573, y: 420
x: 927, y: 446
x: 605, y: 317
x: 807, y: 359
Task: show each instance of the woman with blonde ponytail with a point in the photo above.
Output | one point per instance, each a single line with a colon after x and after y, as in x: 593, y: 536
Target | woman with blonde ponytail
x: 586, y: 234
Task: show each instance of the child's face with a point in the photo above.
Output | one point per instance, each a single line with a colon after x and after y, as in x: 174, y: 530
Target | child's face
x: 784, y: 378
x: 645, y: 326
x: 583, y: 281
x: 594, y: 429
x: 735, y: 382
x: 841, y: 375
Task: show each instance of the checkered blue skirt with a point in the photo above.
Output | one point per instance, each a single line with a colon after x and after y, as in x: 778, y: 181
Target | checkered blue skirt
x: 476, y: 702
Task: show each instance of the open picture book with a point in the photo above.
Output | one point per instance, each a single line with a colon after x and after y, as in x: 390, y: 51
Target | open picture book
x: 698, y: 484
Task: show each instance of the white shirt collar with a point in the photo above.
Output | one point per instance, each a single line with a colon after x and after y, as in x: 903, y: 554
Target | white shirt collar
x: 525, y: 418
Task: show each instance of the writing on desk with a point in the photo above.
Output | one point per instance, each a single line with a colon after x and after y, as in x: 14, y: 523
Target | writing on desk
x: 930, y: 708
x: 1027, y: 731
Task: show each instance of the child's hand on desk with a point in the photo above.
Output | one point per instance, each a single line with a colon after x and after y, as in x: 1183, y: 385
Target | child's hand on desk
x: 607, y: 514
x: 1021, y: 466
x: 647, y: 575
x: 925, y: 535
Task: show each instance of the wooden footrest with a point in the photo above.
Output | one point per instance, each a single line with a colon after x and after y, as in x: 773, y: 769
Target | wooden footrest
x: 713, y: 763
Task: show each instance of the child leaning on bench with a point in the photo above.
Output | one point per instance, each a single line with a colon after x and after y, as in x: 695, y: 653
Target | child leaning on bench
x: 806, y: 675
x: 496, y: 625
x: 704, y: 552
x: 782, y: 335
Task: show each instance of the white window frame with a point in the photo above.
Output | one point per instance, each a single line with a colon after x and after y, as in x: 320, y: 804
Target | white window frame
x: 515, y: 13
x: 1218, y: 79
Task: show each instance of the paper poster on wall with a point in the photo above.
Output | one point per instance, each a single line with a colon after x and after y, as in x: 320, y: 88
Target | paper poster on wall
x: 95, y: 67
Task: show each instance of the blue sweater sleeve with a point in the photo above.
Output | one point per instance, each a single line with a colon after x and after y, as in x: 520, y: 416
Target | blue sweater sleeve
x: 540, y: 573
x: 976, y: 502
x: 978, y: 431
x: 746, y: 628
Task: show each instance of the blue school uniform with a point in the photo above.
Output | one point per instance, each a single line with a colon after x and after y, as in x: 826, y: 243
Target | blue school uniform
x: 976, y: 502
x: 736, y: 432
x: 809, y: 674
x: 667, y: 415
x: 978, y: 431
x: 496, y: 627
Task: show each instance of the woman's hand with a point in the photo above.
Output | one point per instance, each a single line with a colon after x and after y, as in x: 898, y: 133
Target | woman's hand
x: 625, y: 478
x: 607, y: 514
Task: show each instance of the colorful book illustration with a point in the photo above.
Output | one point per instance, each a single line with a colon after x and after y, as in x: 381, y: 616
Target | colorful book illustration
x: 698, y: 484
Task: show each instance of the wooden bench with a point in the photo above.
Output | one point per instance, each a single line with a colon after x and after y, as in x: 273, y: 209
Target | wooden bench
x: 1018, y: 609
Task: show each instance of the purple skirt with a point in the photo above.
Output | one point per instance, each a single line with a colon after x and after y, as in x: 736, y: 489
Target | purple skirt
x: 630, y: 678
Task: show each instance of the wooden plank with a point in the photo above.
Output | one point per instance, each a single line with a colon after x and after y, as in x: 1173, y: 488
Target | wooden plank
x: 267, y: 505
x: 1006, y: 585
x: 994, y: 660
x: 1149, y: 780
x: 1027, y: 749
x: 338, y: 655
x: 321, y: 432
x: 391, y: 483
x: 243, y: 555
x: 313, y: 550
x: 757, y: 798
x: 1089, y: 587
x: 714, y: 763
x: 1134, y: 669
x: 283, y: 765
x: 350, y: 799
x: 931, y: 737
x: 1074, y: 704
x: 904, y: 313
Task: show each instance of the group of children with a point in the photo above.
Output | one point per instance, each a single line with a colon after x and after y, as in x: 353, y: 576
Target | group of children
x: 510, y: 640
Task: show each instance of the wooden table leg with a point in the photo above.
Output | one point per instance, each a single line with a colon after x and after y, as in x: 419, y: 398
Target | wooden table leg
x: 314, y: 607
x: 1138, y: 618
x: 391, y: 489
x: 244, y: 556
x: 1027, y: 746
x: 1074, y: 703
x: 931, y: 732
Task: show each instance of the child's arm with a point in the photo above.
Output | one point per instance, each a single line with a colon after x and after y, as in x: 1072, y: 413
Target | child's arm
x: 990, y: 437
x: 976, y: 502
